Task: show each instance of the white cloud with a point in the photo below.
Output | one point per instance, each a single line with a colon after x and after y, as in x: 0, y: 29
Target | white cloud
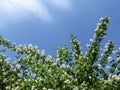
x: 20, y: 9
x: 63, y: 4
x: 17, y: 8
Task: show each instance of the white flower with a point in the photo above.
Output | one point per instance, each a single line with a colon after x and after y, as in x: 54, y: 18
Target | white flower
x: 115, y: 77
x: 13, y: 79
x: 28, y: 52
x: 101, y: 19
x: 20, y: 45
x: 118, y: 59
x: 67, y: 81
x: 49, y: 70
x: 19, y: 75
x: 91, y: 40
x: 110, y: 59
x: 50, y: 89
x: 90, y: 77
x: 4, y: 73
x: 58, y: 60
x: 107, y: 46
x: 35, y: 47
x: 54, y: 64
x: 39, y: 78
x: 13, y: 85
x: 113, y: 52
x: 108, y: 81
x: 42, y: 52
x: 62, y: 66
x: 75, y: 80
x: 75, y: 88
x: 22, y: 84
x: 16, y: 83
x: 30, y: 46
x: 88, y: 45
x: 101, y: 29
x: 15, y: 62
x: 25, y: 48
x: 8, y: 88
x: 25, y: 79
x: 68, y: 66
x: 17, y: 88
x: 18, y: 66
x: 19, y: 80
x: 1, y: 60
x: 4, y: 80
x: 18, y: 49
x: 65, y: 73
x: 33, y: 87
x: 44, y: 88
x: 99, y: 66
x: 38, y: 51
x: 14, y: 70
x: 62, y: 77
x: 7, y: 61
x: 49, y: 58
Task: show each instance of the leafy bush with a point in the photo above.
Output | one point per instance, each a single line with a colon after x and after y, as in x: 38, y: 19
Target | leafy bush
x: 97, y: 69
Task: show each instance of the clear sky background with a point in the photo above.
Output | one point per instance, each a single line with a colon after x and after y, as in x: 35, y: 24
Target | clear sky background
x: 49, y: 23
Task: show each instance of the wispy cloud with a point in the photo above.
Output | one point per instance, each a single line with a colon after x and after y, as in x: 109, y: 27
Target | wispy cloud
x: 17, y: 9
x: 25, y: 7
x: 63, y: 4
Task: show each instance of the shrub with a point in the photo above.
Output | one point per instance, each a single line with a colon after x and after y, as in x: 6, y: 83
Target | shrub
x: 97, y: 69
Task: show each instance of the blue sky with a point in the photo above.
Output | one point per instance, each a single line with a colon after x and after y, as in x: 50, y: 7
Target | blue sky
x: 49, y: 23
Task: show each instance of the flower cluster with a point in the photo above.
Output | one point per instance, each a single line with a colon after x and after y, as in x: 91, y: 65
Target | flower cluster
x: 70, y: 69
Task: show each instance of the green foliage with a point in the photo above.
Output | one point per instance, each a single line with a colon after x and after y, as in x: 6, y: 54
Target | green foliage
x: 97, y: 69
